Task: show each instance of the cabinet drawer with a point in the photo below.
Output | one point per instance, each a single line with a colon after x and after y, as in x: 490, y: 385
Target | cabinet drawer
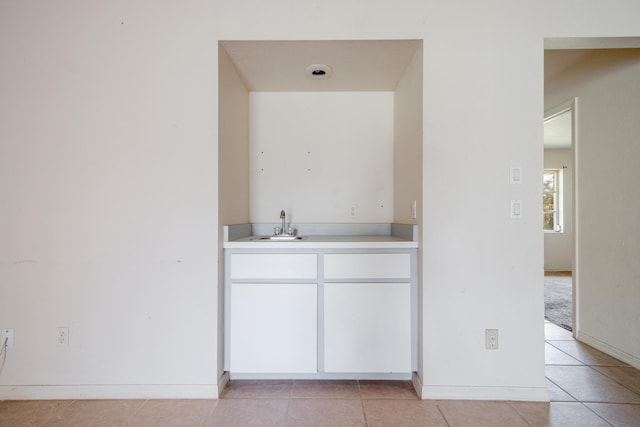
x: 274, y: 266
x: 367, y: 266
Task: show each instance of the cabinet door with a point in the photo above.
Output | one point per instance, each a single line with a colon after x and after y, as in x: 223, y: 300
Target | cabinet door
x: 273, y: 328
x: 367, y: 327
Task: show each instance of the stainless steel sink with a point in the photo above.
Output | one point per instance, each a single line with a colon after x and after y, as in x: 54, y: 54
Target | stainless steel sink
x: 280, y: 237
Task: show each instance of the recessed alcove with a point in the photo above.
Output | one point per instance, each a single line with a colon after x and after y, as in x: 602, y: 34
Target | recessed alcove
x: 343, y: 145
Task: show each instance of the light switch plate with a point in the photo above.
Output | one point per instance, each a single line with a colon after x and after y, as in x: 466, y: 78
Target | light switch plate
x: 515, y: 175
x: 516, y: 209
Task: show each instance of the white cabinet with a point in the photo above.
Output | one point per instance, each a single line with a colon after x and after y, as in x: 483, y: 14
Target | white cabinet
x: 367, y: 327
x: 273, y: 313
x: 320, y: 313
x: 273, y: 328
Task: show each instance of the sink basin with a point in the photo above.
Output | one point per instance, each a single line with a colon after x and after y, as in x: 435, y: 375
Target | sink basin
x: 279, y: 238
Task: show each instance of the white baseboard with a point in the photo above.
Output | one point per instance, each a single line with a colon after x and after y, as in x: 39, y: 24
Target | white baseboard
x: 427, y: 392
x: 610, y: 350
x: 78, y: 392
x: 417, y: 384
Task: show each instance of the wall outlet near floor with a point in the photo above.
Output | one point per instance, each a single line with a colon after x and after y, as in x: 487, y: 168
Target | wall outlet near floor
x: 62, y: 337
x: 7, y: 335
x: 491, y: 339
x: 353, y: 211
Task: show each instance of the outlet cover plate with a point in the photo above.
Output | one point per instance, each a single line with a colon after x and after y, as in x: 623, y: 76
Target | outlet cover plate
x: 7, y: 334
x: 491, y: 339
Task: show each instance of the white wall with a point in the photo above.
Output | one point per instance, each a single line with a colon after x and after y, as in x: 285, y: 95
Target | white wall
x: 407, y: 148
x: 108, y: 199
x: 233, y: 168
x: 317, y: 154
x: 233, y: 144
x: 558, y: 247
x: 108, y: 175
x: 481, y: 269
x: 608, y: 210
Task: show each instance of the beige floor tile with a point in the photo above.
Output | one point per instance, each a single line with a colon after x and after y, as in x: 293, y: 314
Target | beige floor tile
x: 32, y: 413
x: 554, y: 356
x: 536, y: 413
x: 625, y: 375
x: 587, y: 355
x: 87, y: 413
x: 460, y: 413
x: 256, y: 389
x: 174, y: 412
x: 387, y: 390
x: 402, y: 413
x: 556, y: 394
x: 566, y: 414
x: 338, y: 389
x: 588, y: 385
x: 556, y: 333
x: 249, y: 412
x: 619, y: 415
x: 325, y: 412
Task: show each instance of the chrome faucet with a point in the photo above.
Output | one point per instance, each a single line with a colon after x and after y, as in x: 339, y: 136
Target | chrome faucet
x: 282, y: 217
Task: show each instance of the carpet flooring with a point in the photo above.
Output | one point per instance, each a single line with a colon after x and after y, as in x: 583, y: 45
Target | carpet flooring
x: 558, y: 300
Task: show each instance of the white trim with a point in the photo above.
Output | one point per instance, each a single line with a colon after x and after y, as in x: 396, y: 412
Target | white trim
x: 530, y: 394
x: 402, y: 376
x: 222, y: 382
x: 572, y: 105
x: 608, y: 349
x: 138, y: 391
x: 575, y: 222
x: 417, y: 384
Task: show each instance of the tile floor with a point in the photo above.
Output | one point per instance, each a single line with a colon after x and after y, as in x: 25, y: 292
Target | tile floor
x: 588, y: 388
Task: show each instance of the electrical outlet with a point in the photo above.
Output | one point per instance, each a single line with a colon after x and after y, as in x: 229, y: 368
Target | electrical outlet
x: 414, y: 209
x: 7, y: 335
x: 491, y: 339
x: 353, y: 211
x: 62, y: 336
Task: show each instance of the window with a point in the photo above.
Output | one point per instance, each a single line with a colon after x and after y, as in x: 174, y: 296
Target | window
x: 552, y: 200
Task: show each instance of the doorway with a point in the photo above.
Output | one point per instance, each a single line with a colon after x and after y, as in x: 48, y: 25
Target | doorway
x: 558, y: 206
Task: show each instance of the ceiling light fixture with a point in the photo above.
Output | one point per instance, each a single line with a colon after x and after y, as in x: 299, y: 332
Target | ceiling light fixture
x: 319, y: 71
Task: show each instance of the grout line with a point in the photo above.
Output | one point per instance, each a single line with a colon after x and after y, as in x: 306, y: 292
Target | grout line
x: 556, y: 384
x: 364, y: 412
x: 612, y: 379
x: 580, y: 362
x: 510, y: 403
x: 209, y: 416
x: 442, y: 413
x: 598, y: 415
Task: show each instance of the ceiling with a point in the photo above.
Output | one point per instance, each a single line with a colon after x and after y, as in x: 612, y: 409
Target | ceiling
x: 563, y: 53
x: 358, y: 65
x: 556, y: 61
x: 557, y: 131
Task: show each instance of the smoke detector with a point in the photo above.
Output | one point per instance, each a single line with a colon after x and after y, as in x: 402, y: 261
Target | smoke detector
x: 319, y: 71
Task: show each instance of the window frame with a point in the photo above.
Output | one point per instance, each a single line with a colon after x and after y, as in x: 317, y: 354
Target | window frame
x: 557, y: 201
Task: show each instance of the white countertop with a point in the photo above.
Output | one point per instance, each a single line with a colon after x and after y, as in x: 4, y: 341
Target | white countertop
x: 324, y: 242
